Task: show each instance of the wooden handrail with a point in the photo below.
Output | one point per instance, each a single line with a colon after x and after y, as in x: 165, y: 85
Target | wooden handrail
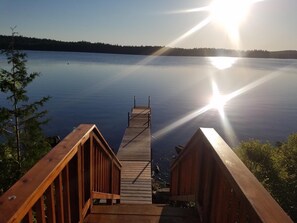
x: 209, y: 173
x: 62, y: 185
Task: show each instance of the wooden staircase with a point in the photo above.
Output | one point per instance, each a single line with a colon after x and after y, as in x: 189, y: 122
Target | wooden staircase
x: 82, y: 168
x: 144, y: 213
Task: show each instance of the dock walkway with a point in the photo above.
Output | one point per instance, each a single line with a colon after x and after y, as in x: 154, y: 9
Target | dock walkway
x: 135, y: 156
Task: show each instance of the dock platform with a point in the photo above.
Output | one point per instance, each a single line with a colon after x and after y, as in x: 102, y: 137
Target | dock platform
x: 135, y: 156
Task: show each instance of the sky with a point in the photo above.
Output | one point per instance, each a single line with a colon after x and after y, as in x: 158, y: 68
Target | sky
x: 268, y: 25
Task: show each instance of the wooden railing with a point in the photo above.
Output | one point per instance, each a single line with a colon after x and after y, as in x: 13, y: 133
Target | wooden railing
x: 210, y: 174
x: 62, y: 185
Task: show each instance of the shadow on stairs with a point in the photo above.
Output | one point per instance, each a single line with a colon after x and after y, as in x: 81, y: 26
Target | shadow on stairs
x: 144, y: 213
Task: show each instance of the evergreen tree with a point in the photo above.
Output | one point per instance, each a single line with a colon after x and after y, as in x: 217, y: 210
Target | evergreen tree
x: 22, y: 142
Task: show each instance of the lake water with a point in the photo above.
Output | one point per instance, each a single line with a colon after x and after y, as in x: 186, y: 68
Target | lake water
x: 99, y: 89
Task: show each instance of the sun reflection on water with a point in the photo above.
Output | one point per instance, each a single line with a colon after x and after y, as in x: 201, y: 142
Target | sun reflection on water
x: 217, y: 101
x: 223, y: 63
x: 228, y: 14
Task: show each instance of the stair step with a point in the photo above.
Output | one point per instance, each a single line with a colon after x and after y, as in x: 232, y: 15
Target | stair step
x: 151, y: 209
x: 150, y: 213
x: 97, y: 218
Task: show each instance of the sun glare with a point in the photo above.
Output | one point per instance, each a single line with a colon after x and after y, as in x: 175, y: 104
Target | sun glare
x: 218, y: 100
x: 223, y: 63
x: 230, y: 14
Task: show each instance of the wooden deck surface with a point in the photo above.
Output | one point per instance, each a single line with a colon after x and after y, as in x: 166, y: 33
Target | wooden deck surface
x: 135, y: 156
x: 152, y: 213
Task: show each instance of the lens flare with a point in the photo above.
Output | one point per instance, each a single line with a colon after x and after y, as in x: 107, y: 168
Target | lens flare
x: 216, y: 103
x: 229, y: 12
x: 199, y: 26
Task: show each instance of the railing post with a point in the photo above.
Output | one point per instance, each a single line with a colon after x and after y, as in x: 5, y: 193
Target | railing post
x: 59, y: 197
x: 92, y: 168
x: 134, y: 102
x: 50, y: 203
x: 149, y: 101
x: 110, y: 201
x: 80, y: 180
x: 128, y: 119
x: 118, y: 201
x: 66, y: 194
x: 40, y: 210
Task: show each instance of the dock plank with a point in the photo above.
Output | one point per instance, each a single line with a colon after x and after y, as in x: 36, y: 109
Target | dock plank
x: 135, y: 156
x: 136, y: 144
x: 136, y: 183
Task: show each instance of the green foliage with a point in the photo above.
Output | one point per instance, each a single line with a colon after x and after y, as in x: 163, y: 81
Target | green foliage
x: 10, y: 171
x: 289, y: 164
x: 276, y: 168
x: 21, y: 137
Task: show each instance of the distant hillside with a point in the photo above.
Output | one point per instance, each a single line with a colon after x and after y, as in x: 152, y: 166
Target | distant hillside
x: 27, y: 43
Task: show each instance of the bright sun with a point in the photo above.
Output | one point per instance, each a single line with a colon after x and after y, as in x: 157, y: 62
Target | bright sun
x: 230, y: 14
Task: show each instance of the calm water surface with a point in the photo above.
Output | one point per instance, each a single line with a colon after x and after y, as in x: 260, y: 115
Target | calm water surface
x: 99, y: 89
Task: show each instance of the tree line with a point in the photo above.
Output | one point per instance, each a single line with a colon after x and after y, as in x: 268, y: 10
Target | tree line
x: 28, y: 43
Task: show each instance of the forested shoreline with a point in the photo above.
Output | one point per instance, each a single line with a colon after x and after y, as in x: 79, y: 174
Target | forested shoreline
x: 28, y: 43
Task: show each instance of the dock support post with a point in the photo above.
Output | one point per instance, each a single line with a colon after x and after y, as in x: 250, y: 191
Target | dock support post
x: 149, y: 102
x: 134, y: 102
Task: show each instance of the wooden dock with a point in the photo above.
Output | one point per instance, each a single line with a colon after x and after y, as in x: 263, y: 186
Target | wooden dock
x: 135, y: 156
